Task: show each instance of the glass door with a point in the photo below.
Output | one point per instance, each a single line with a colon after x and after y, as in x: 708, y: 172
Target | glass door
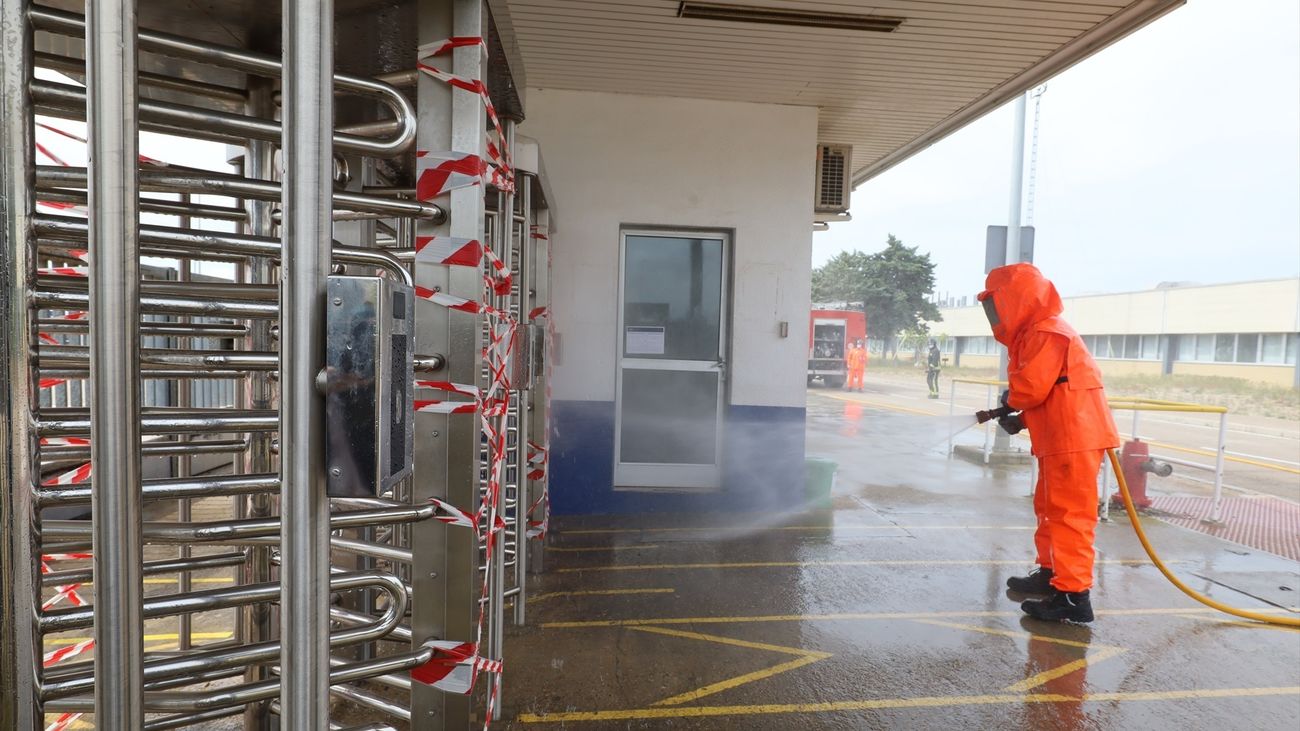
x: 671, y: 360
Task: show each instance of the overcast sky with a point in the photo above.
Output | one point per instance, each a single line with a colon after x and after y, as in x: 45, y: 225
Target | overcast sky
x: 1172, y: 155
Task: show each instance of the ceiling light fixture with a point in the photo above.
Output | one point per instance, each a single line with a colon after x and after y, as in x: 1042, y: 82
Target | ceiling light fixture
x: 783, y: 16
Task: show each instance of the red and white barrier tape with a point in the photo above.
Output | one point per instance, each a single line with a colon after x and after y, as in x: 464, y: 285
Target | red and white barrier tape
x: 67, y: 556
x: 64, y: 721
x: 68, y: 651
x: 501, y: 172
x: 537, y: 459
x: 449, y: 250
x: 63, y: 272
x: 66, y: 591
x: 499, y: 278
x: 440, y: 172
x: 71, y: 477
x: 65, y: 442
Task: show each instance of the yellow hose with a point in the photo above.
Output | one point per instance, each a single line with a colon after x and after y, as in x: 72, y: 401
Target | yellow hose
x: 1142, y: 536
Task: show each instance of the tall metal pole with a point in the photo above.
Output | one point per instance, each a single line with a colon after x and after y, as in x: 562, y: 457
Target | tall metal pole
x: 1002, y: 440
x: 307, y: 231
x: 259, y: 161
x: 116, y: 505
x: 20, y: 644
x: 1017, y: 181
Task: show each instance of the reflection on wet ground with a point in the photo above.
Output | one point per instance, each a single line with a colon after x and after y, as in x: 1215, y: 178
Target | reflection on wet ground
x: 888, y: 611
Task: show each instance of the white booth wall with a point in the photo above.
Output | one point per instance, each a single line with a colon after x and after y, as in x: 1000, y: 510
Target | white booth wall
x: 617, y: 160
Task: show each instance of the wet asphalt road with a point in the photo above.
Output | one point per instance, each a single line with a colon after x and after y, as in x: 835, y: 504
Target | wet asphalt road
x: 889, y: 611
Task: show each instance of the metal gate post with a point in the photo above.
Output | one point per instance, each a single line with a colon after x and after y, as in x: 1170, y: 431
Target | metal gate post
x: 540, y: 297
x: 20, y: 643
x: 445, y: 569
x: 523, y: 284
x: 307, y: 202
x: 112, y: 129
x: 259, y: 164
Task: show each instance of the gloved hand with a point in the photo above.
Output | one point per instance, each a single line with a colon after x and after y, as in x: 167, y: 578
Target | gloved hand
x: 1006, y: 396
x: 1011, y: 423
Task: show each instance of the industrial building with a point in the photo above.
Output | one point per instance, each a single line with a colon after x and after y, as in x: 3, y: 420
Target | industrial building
x: 495, y: 264
x: 1246, y: 330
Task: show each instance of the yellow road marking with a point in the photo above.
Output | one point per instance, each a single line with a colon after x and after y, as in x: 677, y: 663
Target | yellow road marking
x: 599, y: 592
x: 1092, y: 658
x: 805, y: 657
x: 737, y: 681
x: 1100, y: 652
x: 596, y: 549
x: 1006, y: 633
x: 58, y: 641
x: 802, y: 564
x: 862, y: 616
x: 725, y: 529
x: 876, y: 405
x: 897, y: 703
x: 733, y: 641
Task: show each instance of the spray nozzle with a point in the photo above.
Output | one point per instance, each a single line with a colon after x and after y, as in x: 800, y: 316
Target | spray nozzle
x: 991, y: 414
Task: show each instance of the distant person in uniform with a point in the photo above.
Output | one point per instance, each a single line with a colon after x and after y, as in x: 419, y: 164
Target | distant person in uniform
x: 1056, y: 386
x: 932, y: 362
x: 857, y: 363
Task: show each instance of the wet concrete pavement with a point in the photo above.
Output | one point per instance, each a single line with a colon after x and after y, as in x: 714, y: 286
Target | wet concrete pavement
x: 889, y: 611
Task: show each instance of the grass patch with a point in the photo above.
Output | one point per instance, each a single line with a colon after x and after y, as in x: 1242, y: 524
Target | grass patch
x: 1238, y: 395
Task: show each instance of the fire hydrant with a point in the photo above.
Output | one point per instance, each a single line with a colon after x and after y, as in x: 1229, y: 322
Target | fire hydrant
x: 1135, y: 460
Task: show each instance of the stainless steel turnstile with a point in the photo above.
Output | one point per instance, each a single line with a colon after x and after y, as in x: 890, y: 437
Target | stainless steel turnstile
x: 211, y: 505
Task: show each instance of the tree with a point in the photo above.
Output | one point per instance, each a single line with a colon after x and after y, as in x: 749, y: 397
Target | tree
x: 892, y: 285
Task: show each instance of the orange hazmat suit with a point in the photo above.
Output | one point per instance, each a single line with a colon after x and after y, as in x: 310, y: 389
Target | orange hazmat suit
x: 1057, y: 387
x: 857, y: 362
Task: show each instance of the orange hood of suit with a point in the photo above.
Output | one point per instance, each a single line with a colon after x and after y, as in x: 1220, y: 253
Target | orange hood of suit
x: 1062, y: 416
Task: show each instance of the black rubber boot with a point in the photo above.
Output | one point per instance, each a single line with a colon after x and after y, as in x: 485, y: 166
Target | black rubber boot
x: 1039, y: 581
x: 1061, y: 606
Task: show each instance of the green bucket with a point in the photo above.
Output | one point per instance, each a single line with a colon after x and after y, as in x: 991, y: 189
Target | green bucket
x: 819, y: 481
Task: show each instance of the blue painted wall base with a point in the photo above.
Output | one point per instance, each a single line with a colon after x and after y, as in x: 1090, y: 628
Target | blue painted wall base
x: 763, y: 463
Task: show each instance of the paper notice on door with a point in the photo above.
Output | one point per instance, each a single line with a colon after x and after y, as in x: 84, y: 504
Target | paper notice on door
x: 645, y: 341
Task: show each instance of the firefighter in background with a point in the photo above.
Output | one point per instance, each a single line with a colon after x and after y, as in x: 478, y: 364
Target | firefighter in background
x: 932, y: 361
x: 857, y: 363
x: 1056, y: 386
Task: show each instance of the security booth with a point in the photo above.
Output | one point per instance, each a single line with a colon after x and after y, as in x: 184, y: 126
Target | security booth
x: 679, y: 282
x: 454, y: 266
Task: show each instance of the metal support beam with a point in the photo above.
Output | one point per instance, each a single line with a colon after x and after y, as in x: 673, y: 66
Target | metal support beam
x: 306, y: 201
x: 112, y: 109
x: 445, y: 572
x: 20, y: 645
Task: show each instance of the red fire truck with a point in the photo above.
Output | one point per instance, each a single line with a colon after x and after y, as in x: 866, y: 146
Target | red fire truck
x: 830, y: 333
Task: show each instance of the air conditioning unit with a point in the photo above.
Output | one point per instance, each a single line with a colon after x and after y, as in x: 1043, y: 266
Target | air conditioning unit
x: 834, y: 179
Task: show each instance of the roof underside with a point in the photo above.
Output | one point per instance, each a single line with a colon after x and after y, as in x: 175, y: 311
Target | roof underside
x: 886, y: 94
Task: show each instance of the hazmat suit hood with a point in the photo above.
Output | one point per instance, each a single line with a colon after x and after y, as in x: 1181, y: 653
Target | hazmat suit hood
x: 1015, y: 297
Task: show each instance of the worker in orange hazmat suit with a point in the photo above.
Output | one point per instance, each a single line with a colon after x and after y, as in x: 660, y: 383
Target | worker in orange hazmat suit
x: 857, y: 363
x: 1056, y: 386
